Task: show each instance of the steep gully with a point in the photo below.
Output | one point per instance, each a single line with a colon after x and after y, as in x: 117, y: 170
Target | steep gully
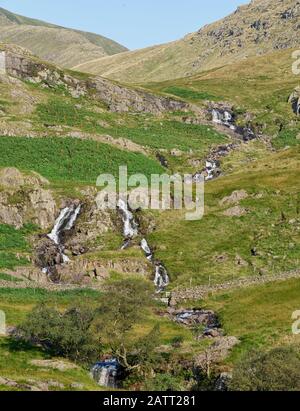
x: 227, y: 119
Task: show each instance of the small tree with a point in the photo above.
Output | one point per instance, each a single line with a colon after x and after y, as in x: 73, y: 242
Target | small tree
x: 276, y: 370
x: 125, y: 305
x: 67, y: 334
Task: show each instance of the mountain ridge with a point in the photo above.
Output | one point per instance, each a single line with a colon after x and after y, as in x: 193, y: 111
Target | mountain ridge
x: 261, y: 27
x: 60, y: 45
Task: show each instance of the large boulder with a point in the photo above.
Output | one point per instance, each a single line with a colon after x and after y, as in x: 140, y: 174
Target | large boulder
x: 234, y: 198
x: 24, y: 198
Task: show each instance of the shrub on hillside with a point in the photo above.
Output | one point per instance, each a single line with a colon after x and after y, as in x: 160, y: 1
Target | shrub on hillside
x: 67, y: 334
x: 276, y: 370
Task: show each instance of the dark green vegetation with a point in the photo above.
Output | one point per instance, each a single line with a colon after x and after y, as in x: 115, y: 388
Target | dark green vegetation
x: 73, y: 160
x: 276, y: 370
x: 66, y: 334
x: 126, y: 313
x: 145, y: 130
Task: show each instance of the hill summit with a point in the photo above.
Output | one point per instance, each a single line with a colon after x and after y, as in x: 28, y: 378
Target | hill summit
x: 259, y: 28
x: 60, y: 45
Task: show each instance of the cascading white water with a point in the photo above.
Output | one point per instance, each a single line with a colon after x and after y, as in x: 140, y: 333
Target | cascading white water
x: 54, y: 235
x: 210, y: 169
x: 104, y: 377
x: 223, y: 117
x: 161, y: 279
x: 106, y: 373
x: 65, y: 222
x: 147, y: 250
x: 130, y: 229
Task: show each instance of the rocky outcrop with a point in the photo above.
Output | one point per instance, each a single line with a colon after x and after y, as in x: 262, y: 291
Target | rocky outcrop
x: 195, y: 317
x: 234, y: 198
x: 24, y: 199
x: 89, y: 228
x: 90, y: 270
x: 54, y: 365
x: 118, y: 98
x: 31, y: 385
x: 236, y: 211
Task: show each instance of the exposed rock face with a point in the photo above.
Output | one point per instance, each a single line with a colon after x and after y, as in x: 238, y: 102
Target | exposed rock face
x: 23, y: 199
x: 88, y: 270
x: 118, y: 98
x: 89, y: 228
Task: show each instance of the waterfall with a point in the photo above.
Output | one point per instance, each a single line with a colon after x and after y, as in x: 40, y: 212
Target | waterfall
x: 65, y: 222
x: 210, y: 169
x: 161, y: 279
x: 147, y: 250
x: 223, y: 117
x: 130, y: 229
x: 227, y: 119
x: 106, y: 373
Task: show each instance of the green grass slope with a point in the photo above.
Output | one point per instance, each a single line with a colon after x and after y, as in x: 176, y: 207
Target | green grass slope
x: 208, y: 251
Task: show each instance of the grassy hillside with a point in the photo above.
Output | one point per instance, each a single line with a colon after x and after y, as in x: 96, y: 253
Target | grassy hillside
x: 256, y: 29
x: 259, y: 85
x: 259, y: 316
x: 69, y: 160
x: 208, y: 251
x: 59, y: 45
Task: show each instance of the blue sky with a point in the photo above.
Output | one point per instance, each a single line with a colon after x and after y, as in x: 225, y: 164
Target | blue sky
x: 134, y: 23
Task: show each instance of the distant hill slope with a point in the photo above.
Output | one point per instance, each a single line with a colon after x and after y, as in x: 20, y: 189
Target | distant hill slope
x: 59, y: 45
x: 259, y: 28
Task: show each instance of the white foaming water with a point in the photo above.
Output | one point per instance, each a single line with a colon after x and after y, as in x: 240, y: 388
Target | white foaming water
x: 73, y: 218
x: 104, y: 377
x: 130, y: 229
x: 225, y: 118
x: 161, y: 279
x: 210, y: 169
x: 65, y: 222
x: 54, y: 235
x: 147, y: 250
